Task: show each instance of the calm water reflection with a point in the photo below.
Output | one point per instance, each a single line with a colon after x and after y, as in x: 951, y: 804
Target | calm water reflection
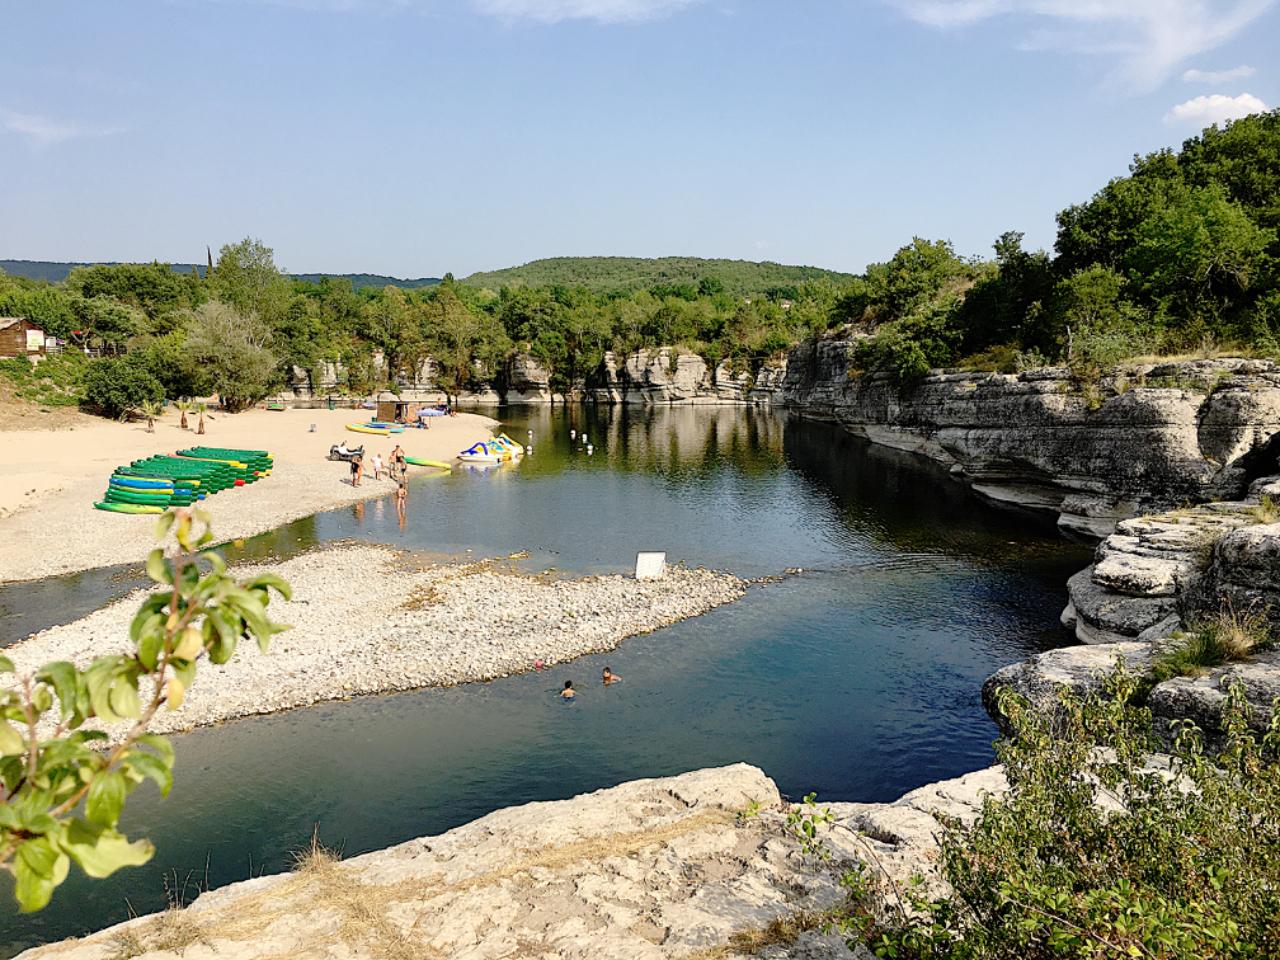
x: 858, y: 679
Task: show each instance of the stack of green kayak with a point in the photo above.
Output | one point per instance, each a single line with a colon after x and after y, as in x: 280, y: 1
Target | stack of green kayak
x: 255, y: 463
x: 139, y: 493
x: 154, y: 484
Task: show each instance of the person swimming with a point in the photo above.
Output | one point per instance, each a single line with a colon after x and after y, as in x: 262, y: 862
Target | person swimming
x: 609, y: 677
x: 568, y: 692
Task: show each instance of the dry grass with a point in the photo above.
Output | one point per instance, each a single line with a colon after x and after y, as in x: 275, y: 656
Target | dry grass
x: 782, y: 932
x: 1267, y: 510
x: 1231, y: 636
x: 173, y: 931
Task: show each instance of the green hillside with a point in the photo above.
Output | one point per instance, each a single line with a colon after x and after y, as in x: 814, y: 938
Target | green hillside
x: 54, y: 271
x: 359, y: 280
x: 628, y: 274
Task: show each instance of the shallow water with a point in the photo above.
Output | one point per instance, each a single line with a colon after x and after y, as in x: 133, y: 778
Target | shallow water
x: 858, y: 678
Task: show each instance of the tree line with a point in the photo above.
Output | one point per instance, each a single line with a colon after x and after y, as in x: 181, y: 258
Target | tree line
x: 1180, y: 253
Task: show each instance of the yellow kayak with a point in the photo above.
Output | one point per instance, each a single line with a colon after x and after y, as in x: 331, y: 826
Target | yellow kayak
x: 420, y: 462
x: 361, y: 428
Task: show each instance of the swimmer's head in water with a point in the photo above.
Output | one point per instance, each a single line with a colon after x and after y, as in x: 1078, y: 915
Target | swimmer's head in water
x: 568, y: 684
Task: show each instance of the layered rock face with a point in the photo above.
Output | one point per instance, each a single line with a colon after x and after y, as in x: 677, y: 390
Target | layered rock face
x: 650, y: 869
x: 667, y: 375
x: 1147, y: 438
x: 1153, y: 578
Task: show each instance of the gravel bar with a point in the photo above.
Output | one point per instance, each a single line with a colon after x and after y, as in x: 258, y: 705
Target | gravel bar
x: 370, y: 620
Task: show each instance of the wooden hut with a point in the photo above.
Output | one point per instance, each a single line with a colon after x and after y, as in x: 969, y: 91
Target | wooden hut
x: 396, y: 410
x: 19, y: 337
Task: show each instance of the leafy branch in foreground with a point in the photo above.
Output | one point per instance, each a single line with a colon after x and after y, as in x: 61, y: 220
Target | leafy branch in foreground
x: 1101, y: 848
x: 62, y: 790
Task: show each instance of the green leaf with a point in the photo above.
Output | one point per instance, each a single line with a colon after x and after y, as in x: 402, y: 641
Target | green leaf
x: 158, y: 568
x: 98, y: 679
x: 124, y: 698
x: 151, y: 611
x: 264, y: 580
x: 38, y: 868
x: 64, y: 679
x: 6, y: 665
x: 12, y: 743
x: 151, y: 767
x: 161, y: 745
x: 106, y: 798
x: 149, y: 648
x: 164, y: 524
x: 101, y: 851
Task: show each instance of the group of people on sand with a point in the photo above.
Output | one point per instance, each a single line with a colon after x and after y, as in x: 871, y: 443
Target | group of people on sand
x: 395, y: 467
x: 607, y: 677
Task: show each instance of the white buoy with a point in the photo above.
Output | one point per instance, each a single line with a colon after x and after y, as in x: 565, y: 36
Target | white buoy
x: 572, y: 434
x: 531, y: 433
x: 529, y: 449
x: 590, y: 449
x: 585, y: 440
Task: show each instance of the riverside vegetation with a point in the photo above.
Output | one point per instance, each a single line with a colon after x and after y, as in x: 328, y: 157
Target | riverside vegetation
x: 1181, y: 254
x: 1100, y: 846
x: 60, y: 798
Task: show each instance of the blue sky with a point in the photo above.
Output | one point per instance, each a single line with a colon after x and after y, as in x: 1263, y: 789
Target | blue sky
x: 412, y: 137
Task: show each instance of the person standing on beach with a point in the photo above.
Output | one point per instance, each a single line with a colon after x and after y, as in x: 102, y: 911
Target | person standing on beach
x: 398, y: 461
x: 376, y: 462
x: 357, y: 468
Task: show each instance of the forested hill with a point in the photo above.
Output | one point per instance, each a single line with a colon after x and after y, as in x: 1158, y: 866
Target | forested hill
x: 629, y: 274
x: 56, y: 272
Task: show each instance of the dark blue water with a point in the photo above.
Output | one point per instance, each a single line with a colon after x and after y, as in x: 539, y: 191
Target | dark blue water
x: 858, y: 679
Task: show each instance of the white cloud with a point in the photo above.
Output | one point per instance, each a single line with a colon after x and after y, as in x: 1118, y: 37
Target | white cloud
x: 1215, y: 77
x: 1214, y: 108
x: 1150, y: 38
x: 602, y: 11
x: 45, y: 131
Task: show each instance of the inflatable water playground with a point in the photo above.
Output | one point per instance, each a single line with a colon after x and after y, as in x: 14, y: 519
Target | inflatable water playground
x: 155, y: 484
x: 501, y: 449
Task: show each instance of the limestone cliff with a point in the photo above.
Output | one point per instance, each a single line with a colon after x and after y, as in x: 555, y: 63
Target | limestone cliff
x: 1148, y: 437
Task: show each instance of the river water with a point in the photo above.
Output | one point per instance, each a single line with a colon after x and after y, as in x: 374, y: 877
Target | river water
x: 857, y: 678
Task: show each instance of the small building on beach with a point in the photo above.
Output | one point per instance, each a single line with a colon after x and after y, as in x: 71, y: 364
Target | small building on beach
x: 19, y: 337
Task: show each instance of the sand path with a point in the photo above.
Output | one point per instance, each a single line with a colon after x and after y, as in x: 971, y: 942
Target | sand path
x: 49, y: 480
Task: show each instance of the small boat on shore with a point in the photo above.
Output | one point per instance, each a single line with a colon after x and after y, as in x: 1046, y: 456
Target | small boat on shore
x: 501, y: 449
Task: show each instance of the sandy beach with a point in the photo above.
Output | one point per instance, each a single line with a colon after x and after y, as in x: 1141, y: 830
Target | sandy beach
x: 371, y: 620
x: 49, y: 480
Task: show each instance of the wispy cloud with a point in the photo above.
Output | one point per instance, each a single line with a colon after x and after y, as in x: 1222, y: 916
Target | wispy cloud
x: 1214, y: 108
x: 601, y: 11
x: 1149, y: 38
x: 1216, y: 77
x: 44, y: 131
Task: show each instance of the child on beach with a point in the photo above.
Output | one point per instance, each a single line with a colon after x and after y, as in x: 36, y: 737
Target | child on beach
x: 357, y: 468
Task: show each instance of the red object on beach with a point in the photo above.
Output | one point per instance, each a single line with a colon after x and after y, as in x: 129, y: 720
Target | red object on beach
x: 239, y: 482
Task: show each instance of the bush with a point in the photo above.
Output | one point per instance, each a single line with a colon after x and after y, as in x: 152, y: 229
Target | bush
x: 233, y: 350
x: 56, y: 381
x: 118, y: 386
x: 1106, y: 852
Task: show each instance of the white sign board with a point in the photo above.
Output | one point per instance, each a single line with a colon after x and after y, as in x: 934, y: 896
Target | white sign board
x: 35, y: 341
x: 651, y: 566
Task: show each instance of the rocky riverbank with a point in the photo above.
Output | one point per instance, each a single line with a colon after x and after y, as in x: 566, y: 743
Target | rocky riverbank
x: 697, y: 866
x: 1147, y: 437
x: 369, y: 620
x: 1158, y: 576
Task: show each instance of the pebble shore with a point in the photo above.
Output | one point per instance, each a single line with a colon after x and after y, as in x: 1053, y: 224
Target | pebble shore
x: 369, y: 620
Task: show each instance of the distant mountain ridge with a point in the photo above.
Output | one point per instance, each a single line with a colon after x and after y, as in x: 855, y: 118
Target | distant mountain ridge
x: 627, y: 274
x: 55, y: 271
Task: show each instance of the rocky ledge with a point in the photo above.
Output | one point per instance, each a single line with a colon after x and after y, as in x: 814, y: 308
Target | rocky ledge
x: 1148, y: 437
x: 693, y: 866
x: 1155, y: 577
x: 369, y: 620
